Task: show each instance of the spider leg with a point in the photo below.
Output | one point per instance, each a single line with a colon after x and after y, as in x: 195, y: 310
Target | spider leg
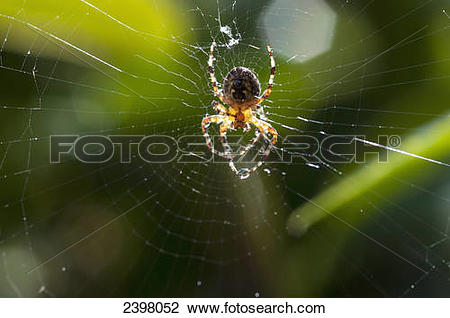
x: 247, y: 127
x: 267, y: 92
x: 260, y: 112
x: 217, y: 92
x: 219, y: 108
x: 264, y: 128
x: 225, y: 122
x: 243, y: 150
x: 205, y: 124
x: 223, y: 137
x: 252, y: 142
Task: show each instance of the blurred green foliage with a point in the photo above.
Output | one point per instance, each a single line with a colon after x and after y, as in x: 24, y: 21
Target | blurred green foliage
x: 98, y: 67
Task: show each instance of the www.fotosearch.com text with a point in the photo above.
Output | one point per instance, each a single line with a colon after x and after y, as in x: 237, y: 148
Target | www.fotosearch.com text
x: 192, y: 148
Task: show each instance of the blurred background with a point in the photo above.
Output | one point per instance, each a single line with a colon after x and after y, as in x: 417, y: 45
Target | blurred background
x: 301, y: 228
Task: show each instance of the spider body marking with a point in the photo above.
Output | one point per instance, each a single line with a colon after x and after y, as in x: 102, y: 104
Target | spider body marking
x: 241, y: 92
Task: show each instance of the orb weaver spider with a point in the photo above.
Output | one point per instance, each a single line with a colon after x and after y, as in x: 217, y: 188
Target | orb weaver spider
x: 241, y: 91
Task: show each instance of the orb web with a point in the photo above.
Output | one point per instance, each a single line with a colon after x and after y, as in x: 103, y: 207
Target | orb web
x: 307, y: 226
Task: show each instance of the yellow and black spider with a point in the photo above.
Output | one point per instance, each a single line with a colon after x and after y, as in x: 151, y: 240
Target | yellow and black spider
x: 241, y: 91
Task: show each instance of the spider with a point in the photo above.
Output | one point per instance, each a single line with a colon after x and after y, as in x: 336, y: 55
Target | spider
x: 241, y: 91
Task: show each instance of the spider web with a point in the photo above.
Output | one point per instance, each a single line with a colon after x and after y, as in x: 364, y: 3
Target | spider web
x: 305, y: 227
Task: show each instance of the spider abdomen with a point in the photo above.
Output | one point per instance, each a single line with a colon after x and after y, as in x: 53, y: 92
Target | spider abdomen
x: 241, y: 87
